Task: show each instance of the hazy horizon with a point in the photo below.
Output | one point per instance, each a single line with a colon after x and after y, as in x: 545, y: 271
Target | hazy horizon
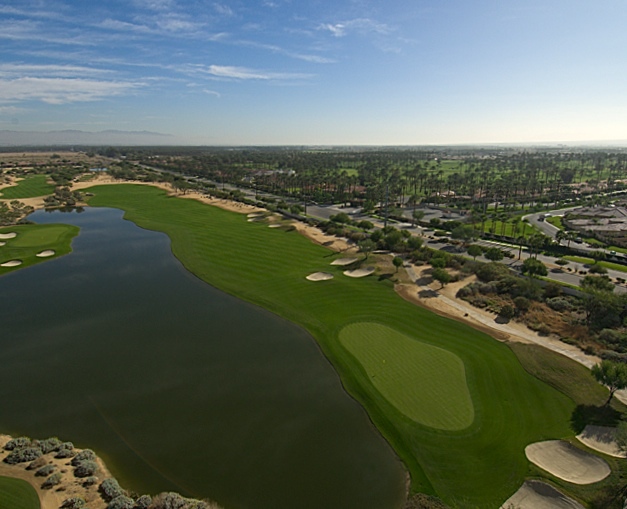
x: 349, y: 72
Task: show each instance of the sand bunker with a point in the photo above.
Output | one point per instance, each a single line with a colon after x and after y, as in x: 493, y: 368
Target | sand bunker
x: 10, y: 235
x: 274, y: 225
x: 344, y: 261
x: 45, y: 254
x: 565, y: 461
x: 255, y: 214
x: 2, y: 244
x: 539, y: 495
x: 319, y: 276
x: 359, y: 272
x: 602, y: 439
x: 11, y: 263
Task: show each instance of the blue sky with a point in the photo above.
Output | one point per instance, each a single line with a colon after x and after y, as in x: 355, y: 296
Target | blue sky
x: 275, y: 72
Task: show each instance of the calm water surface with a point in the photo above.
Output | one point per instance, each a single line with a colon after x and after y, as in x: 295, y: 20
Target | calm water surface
x: 178, y: 385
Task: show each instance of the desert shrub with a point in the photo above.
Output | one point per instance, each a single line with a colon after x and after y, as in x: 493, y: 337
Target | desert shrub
x: 422, y: 501
x: 23, y: 455
x: 52, y: 481
x: 17, y: 443
x: 65, y: 450
x: 49, y: 444
x: 111, y: 489
x: 73, y: 503
x: 87, y: 454
x: 464, y: 292
x: 86, y: 468
x: 121, y: 502
x: 507, y: 311
x: 90, y: 481
x: 611, y: 355
x: 552, y: 290
x: 522, y: 303
x: 544, y: 329
x: 176, y: 501
x: 487, y: 288
x: 597, y: 269
x: 559, y: 304
x: 38, y: 463
x: 491, y: 271
x: 143, y: 502
x: 45, y: 471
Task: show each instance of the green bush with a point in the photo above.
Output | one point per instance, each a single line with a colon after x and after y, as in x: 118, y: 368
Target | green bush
x: 17, y: 443
x: 121, y: 502
x: 52, y: 481
x: 90, y: 481
x: 23, y: 455
x: 85, y: 468
x: 143, y: 502
x: 73, y: 503
x: 87, y: 454
x: 49, y: 444
x: 45, y: 471
x: 559, y: 304
x: 110, y: 489
x: 65, y: 450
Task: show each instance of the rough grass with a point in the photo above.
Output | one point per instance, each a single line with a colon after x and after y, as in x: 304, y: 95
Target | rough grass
x: 602, y: 263
x: 426, y: 383
x: 480, y: 466
x: 17, y: 494
x: 31, y: 187
x: 32, y: 239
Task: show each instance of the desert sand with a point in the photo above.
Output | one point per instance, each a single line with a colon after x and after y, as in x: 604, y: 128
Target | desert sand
x: 53, y: 498
x: 567, y: 462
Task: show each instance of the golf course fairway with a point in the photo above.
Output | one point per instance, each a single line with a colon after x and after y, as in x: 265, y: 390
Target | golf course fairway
x: 479, y: 460
x: 424, y: 382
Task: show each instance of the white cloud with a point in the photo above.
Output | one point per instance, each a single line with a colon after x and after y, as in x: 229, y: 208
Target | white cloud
x: 243, y: 73
x: 212, y: 92
x: 12, y: 70
x: 359, y: 25
x: 223, y: 9
x: 61, y: 90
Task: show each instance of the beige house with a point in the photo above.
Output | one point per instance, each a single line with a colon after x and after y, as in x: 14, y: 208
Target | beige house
x: 608, y: 224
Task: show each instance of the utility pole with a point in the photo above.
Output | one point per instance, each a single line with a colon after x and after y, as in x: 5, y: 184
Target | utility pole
x: 387, y: 197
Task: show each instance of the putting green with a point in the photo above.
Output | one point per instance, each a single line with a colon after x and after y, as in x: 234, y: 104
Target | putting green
x: 424, y: 382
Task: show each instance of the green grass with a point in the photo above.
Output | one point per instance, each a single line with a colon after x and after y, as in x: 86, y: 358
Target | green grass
x: 414, y: 376
x: 555, y: 221
x: 602, y: 263
x: 479, y: 466
x: 17, y: 494
x: 32, y: 239
x: 31, y: 187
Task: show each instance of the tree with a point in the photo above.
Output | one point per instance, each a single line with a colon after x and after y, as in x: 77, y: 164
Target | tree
x: 441, y: 275
x: 464, y: 232
x: 398, y: 262
x: 602, y: 283
x: 611, y: 374
x: 534, y: 267
x: 474, y: 250
x: 367, y: 246
x: 494, y: 254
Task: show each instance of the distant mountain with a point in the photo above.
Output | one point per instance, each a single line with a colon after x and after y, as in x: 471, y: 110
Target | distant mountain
x: 110, y: 137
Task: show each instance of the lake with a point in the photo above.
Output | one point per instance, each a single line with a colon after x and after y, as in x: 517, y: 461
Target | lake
x: 177, y: 385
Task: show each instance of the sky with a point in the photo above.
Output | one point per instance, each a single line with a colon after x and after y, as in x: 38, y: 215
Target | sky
x: 318, y: 72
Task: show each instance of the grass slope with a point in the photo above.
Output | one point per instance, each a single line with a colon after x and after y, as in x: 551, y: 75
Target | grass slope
x: 17, y: 494
x: 34, y: 238
x: 480, y: 466
x: 31, y: 187
x: 426, y: 383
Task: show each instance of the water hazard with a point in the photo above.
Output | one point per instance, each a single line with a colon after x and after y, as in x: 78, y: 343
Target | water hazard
x: 178, y: 385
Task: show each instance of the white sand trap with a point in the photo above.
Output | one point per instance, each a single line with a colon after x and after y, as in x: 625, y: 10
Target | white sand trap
x: 45, y: 254
x: 255, y: 214
x: 602, y: 439
x: 11, y: 263
x: 359, y: 272
x: 344, y: 261
x: 255, y: 220
x: 565, y: 461
x: 539, y: 495
x: 2, y: 244
x: 10, y: 235
x: 274, y: 225
x: 319, y: 276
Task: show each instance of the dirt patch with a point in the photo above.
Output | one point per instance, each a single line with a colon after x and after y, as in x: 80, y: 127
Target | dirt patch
x: 69, y: 486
